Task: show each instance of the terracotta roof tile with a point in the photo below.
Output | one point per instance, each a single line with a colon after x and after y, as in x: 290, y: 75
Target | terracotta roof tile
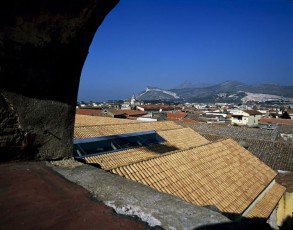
x: 252, y: 112
x: 89, y: 112
x: 83, y: 120
x: 265, y: 206
x: 277, y: 155
x: 121, y: 128
x: 130, y: 112
x: 183, y: 138
x: 176, y: 115
x: 276, y: 120
x: 176, y: 139
x: 264, y: 144
x: 223, y: 174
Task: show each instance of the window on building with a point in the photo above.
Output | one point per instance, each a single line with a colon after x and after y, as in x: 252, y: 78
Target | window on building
x: 239, y: 118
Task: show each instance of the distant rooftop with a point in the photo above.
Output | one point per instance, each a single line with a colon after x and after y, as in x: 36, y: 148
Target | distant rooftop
x: 276, y: 120
x: 83, y: 120
x: 90, y: 112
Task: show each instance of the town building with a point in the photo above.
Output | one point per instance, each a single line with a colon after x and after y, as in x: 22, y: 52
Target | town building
x: 246, y: 117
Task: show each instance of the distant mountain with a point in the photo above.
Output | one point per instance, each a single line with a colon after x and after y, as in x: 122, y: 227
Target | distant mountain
x: 228, y: 91
x: 153, y: 93
x: 187, y: 84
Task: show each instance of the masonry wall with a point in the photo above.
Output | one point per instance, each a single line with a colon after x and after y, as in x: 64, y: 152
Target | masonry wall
x: 43, y: 46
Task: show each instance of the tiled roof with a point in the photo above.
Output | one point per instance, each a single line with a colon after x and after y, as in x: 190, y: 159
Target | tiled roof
x: 90, y: 112
x: 282, y: 128
x: 232, y: 131
x: 125, y: 157
x: 265, y: 206
x: 176, y: 115
x: 213, y: 137
x: 222, y: 174
x: 82, y: 120
x: 264, y: 144
x: 286, y: 179
x: 176, y: 140
x: 277, y: 155
x: 252, y: 112
x: 106, y: 130
x: 276, y: 120
x: 183, y: 138
x: 115, y: 111
x: 130, y: 112
x: 188, y: 120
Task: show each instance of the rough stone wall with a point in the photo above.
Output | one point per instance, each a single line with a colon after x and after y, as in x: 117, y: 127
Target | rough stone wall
x: 11, y: 135
x: 43, y: 46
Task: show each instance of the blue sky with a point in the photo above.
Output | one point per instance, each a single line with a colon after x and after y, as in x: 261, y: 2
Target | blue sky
x: 163, y: 43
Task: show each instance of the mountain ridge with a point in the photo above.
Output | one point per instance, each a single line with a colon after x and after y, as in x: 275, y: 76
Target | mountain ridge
x: 231, y: 91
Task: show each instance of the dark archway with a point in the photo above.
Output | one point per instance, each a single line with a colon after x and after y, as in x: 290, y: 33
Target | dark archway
x: 43, y: 46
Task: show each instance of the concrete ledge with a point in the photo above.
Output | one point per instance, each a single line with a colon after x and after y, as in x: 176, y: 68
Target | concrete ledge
x: 131, y: 198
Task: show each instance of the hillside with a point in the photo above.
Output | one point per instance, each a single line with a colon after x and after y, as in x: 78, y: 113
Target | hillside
x: 228, y: 91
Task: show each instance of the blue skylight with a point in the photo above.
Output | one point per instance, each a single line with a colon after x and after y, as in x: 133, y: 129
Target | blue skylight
x: 101, y: 145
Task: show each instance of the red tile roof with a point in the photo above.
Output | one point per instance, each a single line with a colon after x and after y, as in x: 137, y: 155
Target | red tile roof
x: 176, y: 116
x: 252, y: 112
x: 276, y: 120
x: 130, y: 112
x: 90, y: 112
x: 188, y: 120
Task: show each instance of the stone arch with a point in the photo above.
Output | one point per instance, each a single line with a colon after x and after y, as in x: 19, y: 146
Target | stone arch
x: 43, y: 46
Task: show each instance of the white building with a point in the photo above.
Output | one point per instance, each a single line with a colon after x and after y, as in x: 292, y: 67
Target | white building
x: 246, y: 117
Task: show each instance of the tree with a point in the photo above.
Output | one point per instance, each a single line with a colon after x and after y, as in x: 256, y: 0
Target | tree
x: 285, y: 115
